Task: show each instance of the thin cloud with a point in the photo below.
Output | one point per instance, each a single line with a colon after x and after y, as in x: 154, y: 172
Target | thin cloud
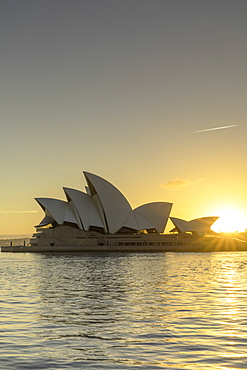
x: 2, y: 211
x: 214, y: 129
x: 177, y: 183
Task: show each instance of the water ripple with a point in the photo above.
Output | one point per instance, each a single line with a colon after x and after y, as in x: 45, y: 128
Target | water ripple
x: 119, y: 311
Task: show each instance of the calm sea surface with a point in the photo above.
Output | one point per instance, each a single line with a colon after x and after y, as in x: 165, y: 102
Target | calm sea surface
x: 121, y: 311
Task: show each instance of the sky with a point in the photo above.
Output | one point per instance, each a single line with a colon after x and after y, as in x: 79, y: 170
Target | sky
x: 129, y: 90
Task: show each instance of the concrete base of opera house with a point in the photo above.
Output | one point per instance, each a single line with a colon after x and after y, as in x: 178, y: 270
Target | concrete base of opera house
x: 200, y: 245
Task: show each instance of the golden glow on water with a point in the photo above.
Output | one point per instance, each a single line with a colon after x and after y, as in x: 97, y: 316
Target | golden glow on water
x: 230, y: 220
x: 229, y: 303
x: 157, y: 310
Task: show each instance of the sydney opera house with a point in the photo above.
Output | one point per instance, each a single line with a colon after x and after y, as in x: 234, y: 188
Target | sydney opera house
x: 101, y: 219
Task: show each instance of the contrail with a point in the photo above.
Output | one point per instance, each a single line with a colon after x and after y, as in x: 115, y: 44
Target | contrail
x: 213, y: 129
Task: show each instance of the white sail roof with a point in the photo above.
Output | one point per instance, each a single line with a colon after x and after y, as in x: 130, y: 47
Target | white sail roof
x: 85, y: 208
x: 156, y: 214
x: 180, y: 225
x: 104, y: 207
x: 57, y: 209
x: 199, y: 225
x: 115, y: 206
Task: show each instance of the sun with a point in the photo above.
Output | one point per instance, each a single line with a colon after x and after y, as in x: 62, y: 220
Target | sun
x: 230, y: 221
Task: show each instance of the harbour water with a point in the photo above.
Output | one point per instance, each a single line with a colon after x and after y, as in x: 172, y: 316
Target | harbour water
x: 123, y: 311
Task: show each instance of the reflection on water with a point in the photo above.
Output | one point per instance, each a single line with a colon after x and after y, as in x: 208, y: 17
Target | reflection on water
x: 119, y: 311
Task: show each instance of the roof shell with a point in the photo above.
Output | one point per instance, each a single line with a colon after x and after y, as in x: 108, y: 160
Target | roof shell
x: 199, y: 225
x: 103, y: 206
x: 155, y: 214
x: 85, y: 208
x: 115, y: 206
x: 180, y: 225
x: 58, y: 209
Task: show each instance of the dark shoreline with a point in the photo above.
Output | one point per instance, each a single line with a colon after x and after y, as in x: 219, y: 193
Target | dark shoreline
x: 215, y: 245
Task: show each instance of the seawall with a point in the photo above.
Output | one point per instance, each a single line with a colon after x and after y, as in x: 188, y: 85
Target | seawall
x: 215, y: 245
